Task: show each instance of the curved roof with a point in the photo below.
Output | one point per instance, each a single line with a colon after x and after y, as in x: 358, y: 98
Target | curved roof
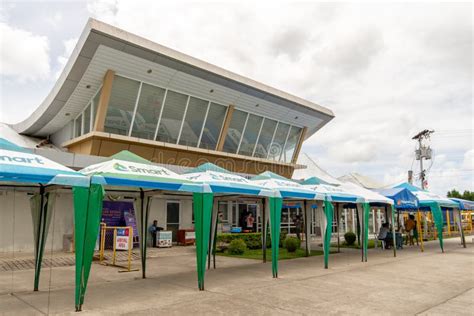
x: 102, y: 46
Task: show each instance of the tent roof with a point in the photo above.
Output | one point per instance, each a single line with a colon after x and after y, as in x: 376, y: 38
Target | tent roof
x: 286, y: 187
x: 129, y: 170
x: 402, y: 197
x: 334, y: 193
x: 208, y: 166
x: 270, y: 175
x: 464, y: 204
x: 367, y: 195
x: 425, y: 197
x: 126, y: 155
x: 223, y: 181
x: 21, y: 165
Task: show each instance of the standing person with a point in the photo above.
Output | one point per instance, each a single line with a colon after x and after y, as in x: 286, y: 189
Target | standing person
x: 154, y: 229
x: 250, y: 220
x: 410, y: 228
x: 298, y: 227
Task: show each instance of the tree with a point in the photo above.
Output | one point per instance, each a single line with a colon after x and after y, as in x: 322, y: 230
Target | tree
x: 467, y: 195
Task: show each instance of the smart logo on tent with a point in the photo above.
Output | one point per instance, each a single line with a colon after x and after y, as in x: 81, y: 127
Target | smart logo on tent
x: 120, y: 167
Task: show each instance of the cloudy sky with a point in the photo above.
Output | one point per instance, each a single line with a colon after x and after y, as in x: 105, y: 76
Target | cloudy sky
x: 386, y: 70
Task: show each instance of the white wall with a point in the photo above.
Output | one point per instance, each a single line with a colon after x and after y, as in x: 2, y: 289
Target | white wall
x: 16, y: 225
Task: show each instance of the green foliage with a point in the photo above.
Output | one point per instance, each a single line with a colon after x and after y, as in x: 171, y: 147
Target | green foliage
x: 252, y: 240
x: 350, y: 238
x: 467, y: 195
x: 237, y: 247
x: 291, y: 244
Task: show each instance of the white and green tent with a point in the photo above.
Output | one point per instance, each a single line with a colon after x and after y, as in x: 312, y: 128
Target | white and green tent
x: 20, y: 167
x: 128, y: 171
x: 289, y: 189
x: 369, y: 199
x: 223, y: 182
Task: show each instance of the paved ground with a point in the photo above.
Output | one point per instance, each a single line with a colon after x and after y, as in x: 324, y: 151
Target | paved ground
x: 429, y: 283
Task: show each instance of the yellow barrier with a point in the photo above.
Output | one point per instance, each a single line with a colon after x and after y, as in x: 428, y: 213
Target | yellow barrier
x: 105, y: 233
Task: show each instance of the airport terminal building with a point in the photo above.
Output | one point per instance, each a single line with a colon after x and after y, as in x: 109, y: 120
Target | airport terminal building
x: 119, y: 91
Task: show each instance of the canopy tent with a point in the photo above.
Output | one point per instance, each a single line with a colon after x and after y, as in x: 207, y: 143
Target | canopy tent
x: 463, y: 205
x: 370, y: 198
x: 403, y: 198
x: 428, y: 201
x: 22, y: 166
x: 466, y: 207
x: 128, y: 170
x: 289, y: 189
x: 222, y: 181
x: 332, y: 194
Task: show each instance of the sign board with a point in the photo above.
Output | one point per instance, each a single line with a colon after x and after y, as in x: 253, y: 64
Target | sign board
x: 122, y: 239
x: 164, y: 239
x: 190, y: 235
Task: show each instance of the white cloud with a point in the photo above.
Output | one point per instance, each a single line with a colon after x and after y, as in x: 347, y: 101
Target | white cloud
x: 69, y: 46
x: 24, y: 55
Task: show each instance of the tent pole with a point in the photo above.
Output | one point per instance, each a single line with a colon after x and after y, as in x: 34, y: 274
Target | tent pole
x: 362, y: 237
x: 358, y: 225
x: 144, y: 221
x: 264, y: 231
x: 40, y: 238
x: 214, y: 241
x: 306, y: 233
x: 338, y: 226
x: 209, y: 248
x: 463, y: 238
x: 420, y: 232
x: 394, y: 235
x: 448, y: 222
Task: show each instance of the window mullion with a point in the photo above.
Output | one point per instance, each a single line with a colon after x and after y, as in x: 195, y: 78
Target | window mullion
x: 243, y: 132
x: 161, y: 113
x: 182, y: 121
x: 273, y: 138
x: 204, y: 124
x: 286, y: 140
x: 135, y: 109
x: 258, y: 137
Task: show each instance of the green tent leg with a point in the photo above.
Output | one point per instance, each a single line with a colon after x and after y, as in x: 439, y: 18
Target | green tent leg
x: 41, y: 207
x: 275, y: 223
x: 142, y: 212
x: 438, y: 219
x: 87, y: 213
x: 203, y: 203
x: 329, y: 213
x: 366, y: 208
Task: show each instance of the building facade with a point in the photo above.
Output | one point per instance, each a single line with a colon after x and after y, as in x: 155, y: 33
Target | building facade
x: 119, y: 91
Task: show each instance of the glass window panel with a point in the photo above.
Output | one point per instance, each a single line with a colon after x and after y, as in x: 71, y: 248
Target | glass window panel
x: 193, y: 122
x: 95, y: 102
x: 276, y: 147
x: 121, y: 105
x: 148, y: 111
x: 213, y: 126
x: 87, y: 119
x: 77, y: 131
x: 172, y: 117
x: 265, y: 138
x: 293, y: 138
x: 250, y: 135
x: 234, y: 133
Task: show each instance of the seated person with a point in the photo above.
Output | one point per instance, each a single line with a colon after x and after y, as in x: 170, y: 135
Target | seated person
x: 384, y: 234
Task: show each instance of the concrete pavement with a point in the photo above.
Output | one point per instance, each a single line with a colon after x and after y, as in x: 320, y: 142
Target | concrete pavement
x: 429, y: 283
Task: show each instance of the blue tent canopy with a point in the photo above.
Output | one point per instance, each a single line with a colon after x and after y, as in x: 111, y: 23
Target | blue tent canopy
x: 402, y: 197
x: 314, y: 180
x: 18, y: 164
x: 464, y: 205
